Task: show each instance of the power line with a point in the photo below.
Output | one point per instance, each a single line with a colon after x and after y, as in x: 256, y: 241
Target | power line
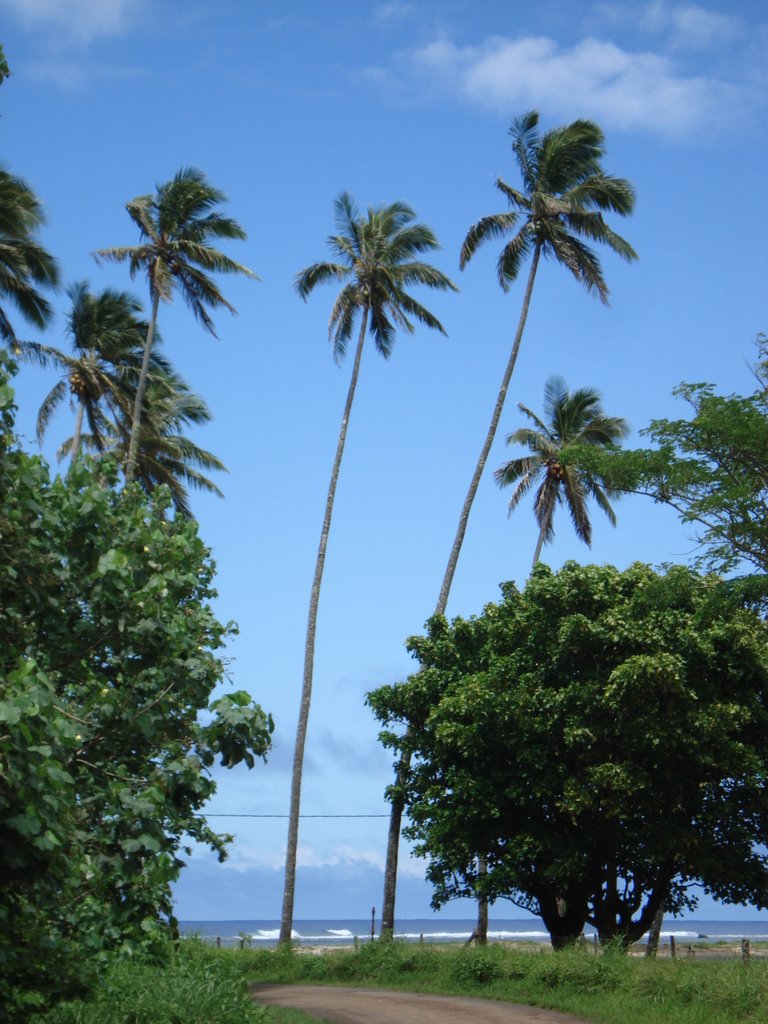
x: 301, y: 815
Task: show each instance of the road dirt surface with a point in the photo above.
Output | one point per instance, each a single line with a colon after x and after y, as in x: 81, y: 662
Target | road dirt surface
x: 375, y: 1006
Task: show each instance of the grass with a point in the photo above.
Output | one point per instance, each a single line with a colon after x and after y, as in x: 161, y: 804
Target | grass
x: 607, y: 988
x: 198, y: 985
x: 203, y: 985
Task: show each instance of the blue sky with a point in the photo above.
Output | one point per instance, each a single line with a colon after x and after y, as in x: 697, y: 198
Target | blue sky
x: 284, y: 106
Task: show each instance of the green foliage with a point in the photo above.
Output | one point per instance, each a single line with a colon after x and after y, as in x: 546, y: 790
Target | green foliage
x: 24, y: 264
x: 565, y: 193
x: 5, y: 71
x: 602, y: 986
x: 711, y: 468
x: 378, y: 257
x: 109, y: 655
x: 571, y: 418
x: 602, y: 736
x: 195, y: 986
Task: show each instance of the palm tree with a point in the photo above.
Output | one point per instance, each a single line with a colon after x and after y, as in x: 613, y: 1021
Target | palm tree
x: 571, y: 418
x: 165, y: 456
x: 24, y: 263
x: 176, y: 225
x: 565, y: 192
x: 377, y: 256
x: 107, y: 333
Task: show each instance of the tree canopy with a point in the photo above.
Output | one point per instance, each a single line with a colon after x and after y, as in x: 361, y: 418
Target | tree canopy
x: 109, y: 657
x: 602, y: 736
x: 712, y: 468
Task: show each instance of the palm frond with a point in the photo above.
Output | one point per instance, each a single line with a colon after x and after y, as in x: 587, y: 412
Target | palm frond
x: 497, y: 225
x: 318, y: 273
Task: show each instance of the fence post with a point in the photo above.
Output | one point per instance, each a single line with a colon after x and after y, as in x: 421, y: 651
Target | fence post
x: 745, y: 952
x: 672, y: 946
x: 218, y: 942
x: 357, y: 944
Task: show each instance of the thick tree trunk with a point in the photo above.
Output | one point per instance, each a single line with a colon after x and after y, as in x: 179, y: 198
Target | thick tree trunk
x: 133, y: 444
x: 398, y: 805
x: 481, y: 928
x: 286, y: 922
x: 654, y: 933
x: 78, y: 433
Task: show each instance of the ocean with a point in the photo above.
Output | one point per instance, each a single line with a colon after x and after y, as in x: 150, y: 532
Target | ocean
x: 264, y: 934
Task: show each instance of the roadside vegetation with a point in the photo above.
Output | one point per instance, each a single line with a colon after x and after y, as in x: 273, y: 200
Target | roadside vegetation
x: 605, y: 987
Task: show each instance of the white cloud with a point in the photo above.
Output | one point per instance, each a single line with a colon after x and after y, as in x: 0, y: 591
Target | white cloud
x: 393, y: 12
x: 689, y: 26
x: 80, y: 20
x: 70, y: 75
x: 594, y: 78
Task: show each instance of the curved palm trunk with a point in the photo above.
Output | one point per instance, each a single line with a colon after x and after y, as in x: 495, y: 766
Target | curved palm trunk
x: 539, y: 546
x: 78, y: 433
x: 450, y: 570
x: 133, y: 445
x: 286, y: 922
x: 398, y: 803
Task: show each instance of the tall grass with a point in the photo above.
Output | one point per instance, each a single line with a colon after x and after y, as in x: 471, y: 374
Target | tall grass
x: 606, y: 987
x: 197, y: 985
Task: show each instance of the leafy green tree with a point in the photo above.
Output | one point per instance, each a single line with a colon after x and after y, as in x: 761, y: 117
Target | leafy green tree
x: 177, y: 225
x: 603, y: 735
x: 377, y: 255
x: 165, y: 457
x: 711, y: 468
x: 25, y: 266
x: 107, y: 335
x: 564, y: 196
x: 109, y: 730
x: 571, y: 418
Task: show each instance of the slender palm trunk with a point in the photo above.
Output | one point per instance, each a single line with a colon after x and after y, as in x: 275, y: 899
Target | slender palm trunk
x: 133, y: 445
x: 286, y: 922
x: 539, y: 545
x: 78, y: 433
x: 398, y: 803
x: 450, y: 570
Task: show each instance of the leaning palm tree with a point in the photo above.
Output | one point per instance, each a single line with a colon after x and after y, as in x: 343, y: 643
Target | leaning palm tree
x: 377, y: 256
x: 571, y: 418
x: 24, y: 264
x: 106, y: 332
x: 165, y: 455
x: 565, y: 192
x: 177, y: 224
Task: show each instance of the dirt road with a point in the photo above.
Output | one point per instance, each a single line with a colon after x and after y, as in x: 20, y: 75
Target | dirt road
x: 374, y: 1006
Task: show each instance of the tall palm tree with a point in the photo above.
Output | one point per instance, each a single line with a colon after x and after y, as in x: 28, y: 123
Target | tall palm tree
x: 571, y: 417
x: 165, y: 455
x: 24, y: 263
x: 376, y: 255
x: 106, y: 332
x: 177, y: 225
x: 564, y: 195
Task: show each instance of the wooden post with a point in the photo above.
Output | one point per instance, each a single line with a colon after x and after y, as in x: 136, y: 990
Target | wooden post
x: 595, y: 941
x: 745, y: 952
x: 421, y: 938
x: 357, y: 944
x: 373, y: 923
x: 672, y: 946
x: 242, y: 943
x: 218, y: 942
